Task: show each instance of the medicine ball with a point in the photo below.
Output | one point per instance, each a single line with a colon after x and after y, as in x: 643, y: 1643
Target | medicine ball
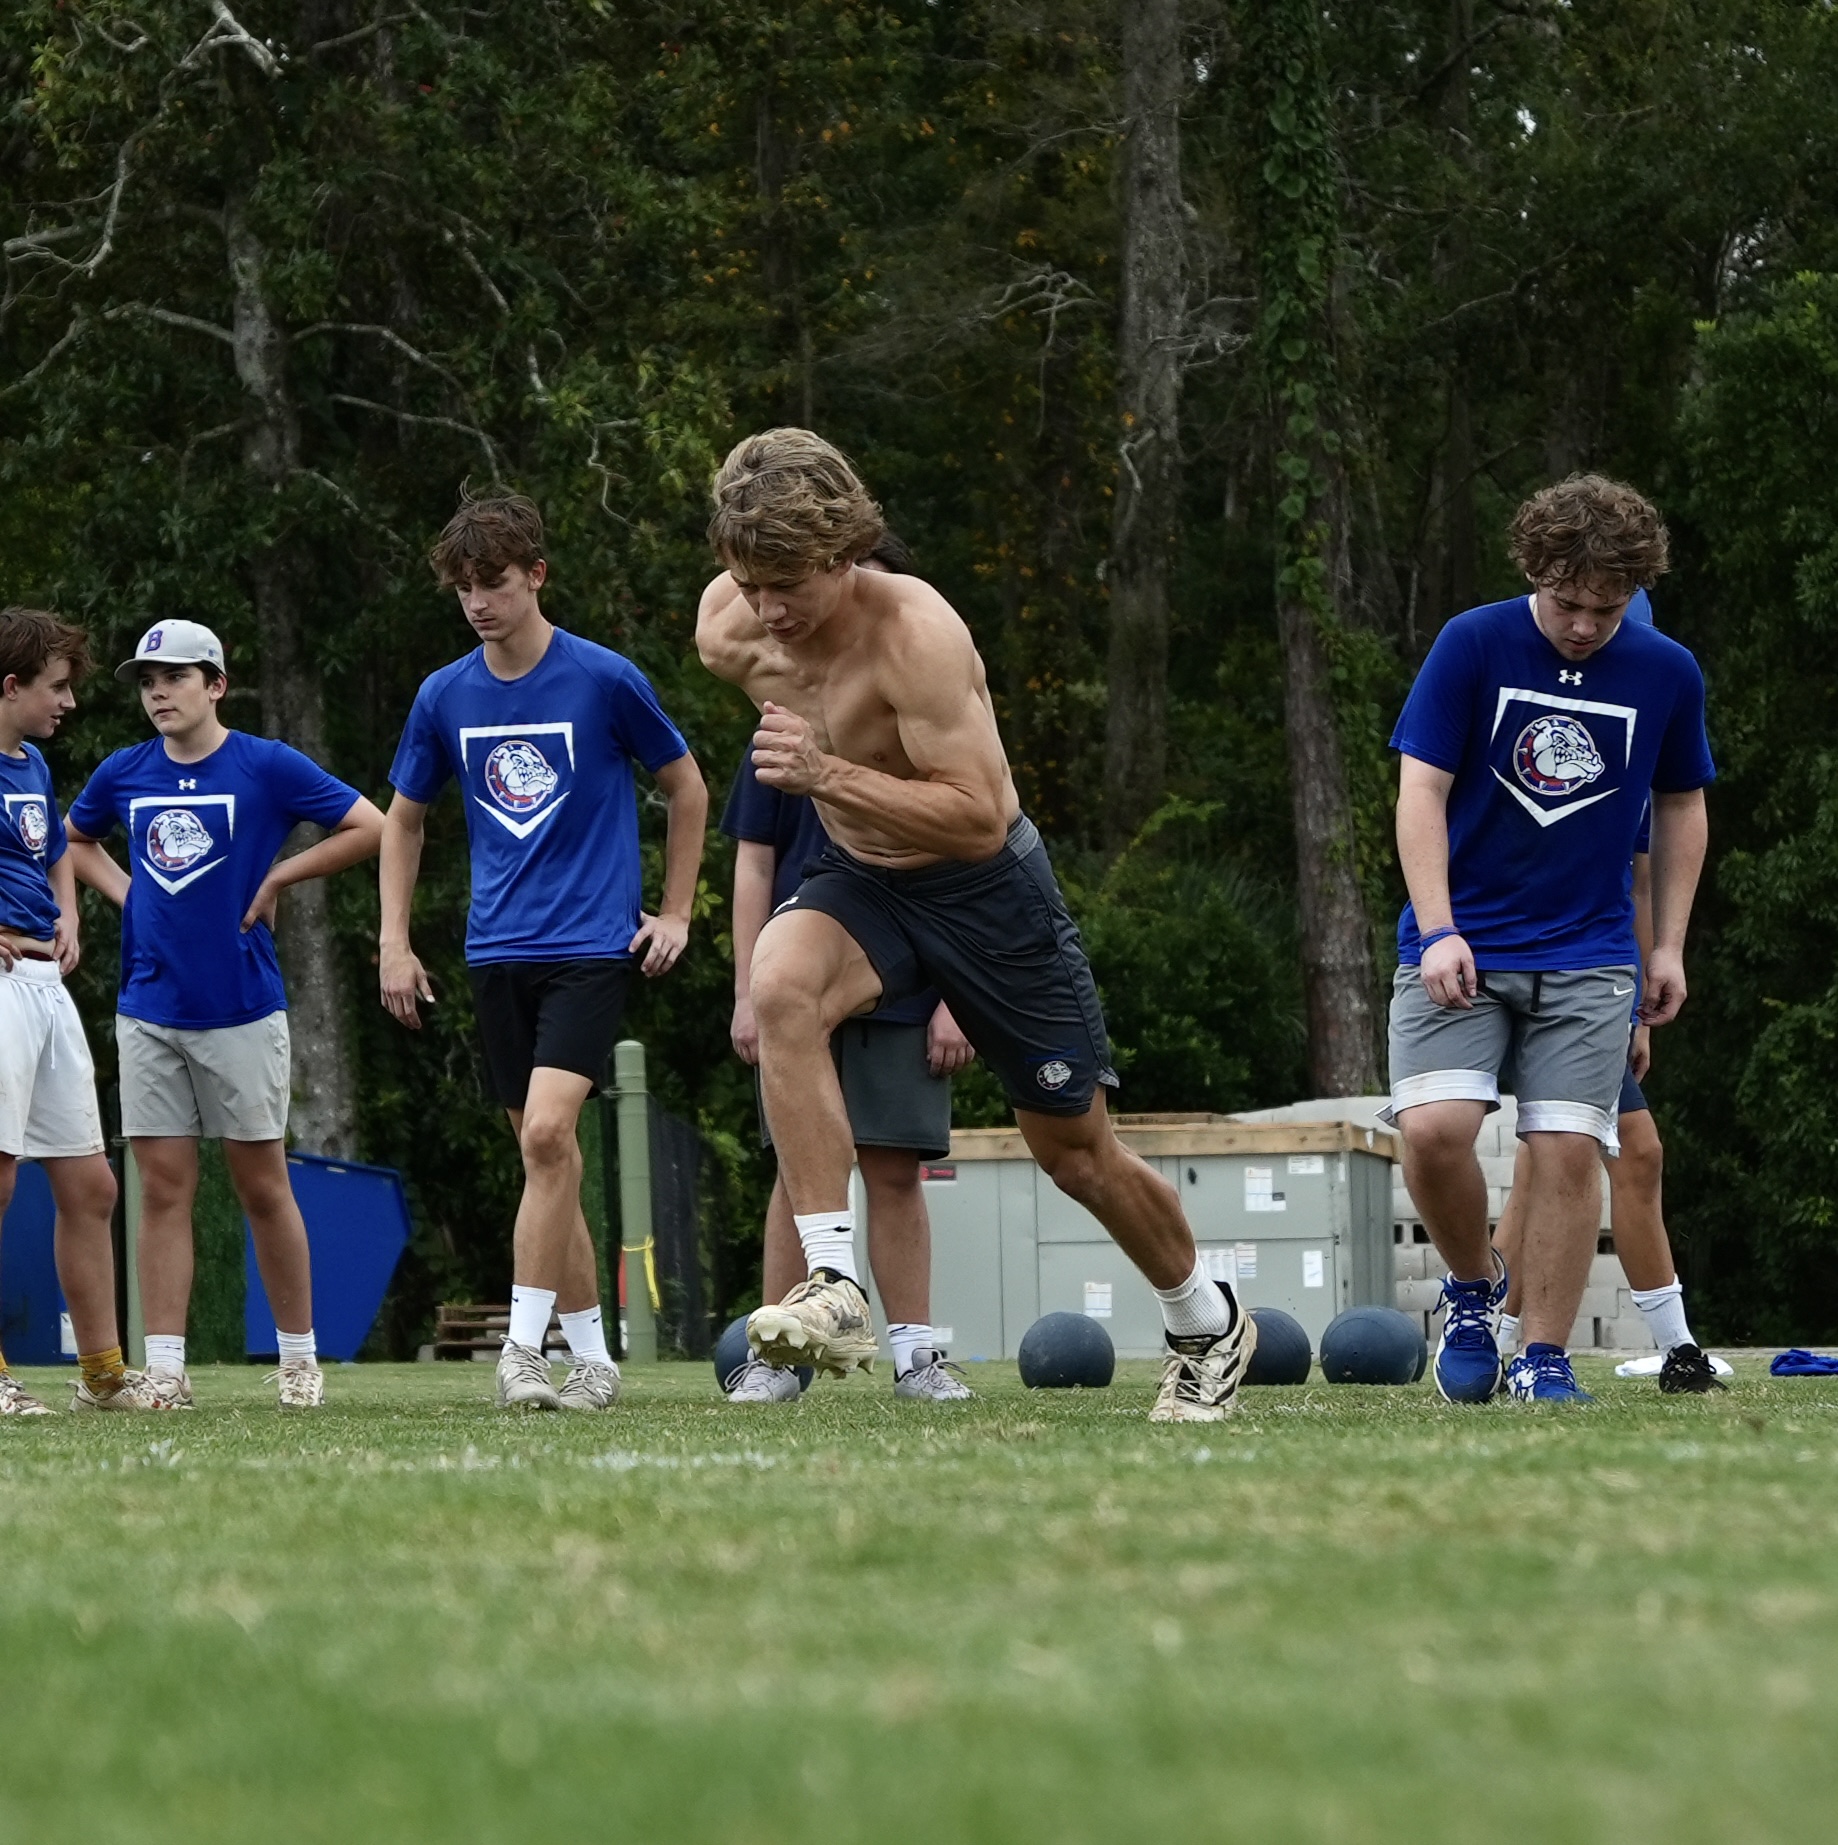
x: 1372, y: 1345
x: 732, y: 1352
x: 1066, y: 1351
x: 1282, y: 1354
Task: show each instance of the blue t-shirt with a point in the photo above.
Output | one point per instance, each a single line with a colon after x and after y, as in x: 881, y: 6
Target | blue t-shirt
x: 545, y: 763
x: 31, y: 842
x: 186, y: 961
x: 788, y: 823
x: 1552, y: 761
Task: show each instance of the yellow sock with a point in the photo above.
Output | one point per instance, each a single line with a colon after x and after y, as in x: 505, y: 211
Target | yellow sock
x: 103, y: 1371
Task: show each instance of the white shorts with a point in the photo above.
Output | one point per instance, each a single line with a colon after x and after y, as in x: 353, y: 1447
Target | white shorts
x: 230, y: 1082
x: 47, y: 1080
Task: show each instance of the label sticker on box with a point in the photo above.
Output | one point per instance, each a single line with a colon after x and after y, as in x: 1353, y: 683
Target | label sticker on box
x: 1259, y: 1189
x: 1306, y: 1164
x: 1244, y: 1257
x: 1097, y: 1299
x: 1312, y: 1276
x: 1220, y: 1265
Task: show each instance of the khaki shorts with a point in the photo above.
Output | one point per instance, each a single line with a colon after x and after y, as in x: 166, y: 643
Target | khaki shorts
x: 230, y: 1083
x: 47, y: 1080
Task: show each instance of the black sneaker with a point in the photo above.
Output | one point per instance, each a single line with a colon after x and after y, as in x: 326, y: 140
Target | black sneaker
x: 1687, y: 1372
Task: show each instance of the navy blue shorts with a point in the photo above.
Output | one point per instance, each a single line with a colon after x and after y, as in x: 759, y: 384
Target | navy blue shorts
x: 1632, y: 1102
x: 996, y: 941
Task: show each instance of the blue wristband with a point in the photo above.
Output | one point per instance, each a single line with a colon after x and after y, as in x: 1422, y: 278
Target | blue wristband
x: 1435, y: 936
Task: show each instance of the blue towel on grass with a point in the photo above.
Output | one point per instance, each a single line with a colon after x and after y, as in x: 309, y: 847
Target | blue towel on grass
x: 1804, y: 1364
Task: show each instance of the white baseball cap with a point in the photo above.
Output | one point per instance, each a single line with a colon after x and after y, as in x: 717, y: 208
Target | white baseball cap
x: 174, y: 643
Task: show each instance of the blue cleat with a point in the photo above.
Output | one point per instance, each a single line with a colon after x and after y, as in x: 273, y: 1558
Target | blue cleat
x: 1542, y: 1374
x: 1467, y: 1357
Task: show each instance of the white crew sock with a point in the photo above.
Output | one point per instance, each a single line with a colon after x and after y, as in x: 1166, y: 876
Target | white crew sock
x: 829, y: 1241
x: 907, y: 1337
x: 530, y: 1310
x: 1663, y: 1309
x: 166, y: 1353
x: 296, y: 1348
x: 586, y: 1335
x: 1508, y: 1340
x: 1198, y: 1308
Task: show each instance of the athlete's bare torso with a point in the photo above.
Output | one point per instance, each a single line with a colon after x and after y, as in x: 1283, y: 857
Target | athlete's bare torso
x: 898, y: 746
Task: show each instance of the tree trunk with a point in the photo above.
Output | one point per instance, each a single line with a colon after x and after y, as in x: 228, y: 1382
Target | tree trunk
x: 1146, y: 520
x: 1298, y: 208
x: 324, y: 1116
x: 1454, y: 267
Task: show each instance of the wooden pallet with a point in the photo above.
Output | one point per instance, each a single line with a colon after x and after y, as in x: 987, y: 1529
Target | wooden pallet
x: 465, y: 1328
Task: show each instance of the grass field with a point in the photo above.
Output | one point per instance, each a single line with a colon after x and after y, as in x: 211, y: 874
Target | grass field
x: 1353, y: 1615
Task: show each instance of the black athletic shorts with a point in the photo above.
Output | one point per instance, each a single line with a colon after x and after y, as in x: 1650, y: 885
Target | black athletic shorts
x: 997, y: 943
x: 563, y: 1015
x: 1633, y: 1099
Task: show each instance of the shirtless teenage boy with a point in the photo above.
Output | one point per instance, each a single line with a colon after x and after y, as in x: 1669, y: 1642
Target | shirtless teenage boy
x: 874, y: 703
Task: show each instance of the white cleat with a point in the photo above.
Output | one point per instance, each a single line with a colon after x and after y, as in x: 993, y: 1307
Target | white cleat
x: 1202, y: 1385
x: 523, y: 1379
x: 173, y: 1388
x: 134, y: 1392
x: 301, y: 1384
x: 823, y: 1323
x: 932, y: 1380
x: 758, y: 1382
x: 17, y: 1402
x: 591, y: 1383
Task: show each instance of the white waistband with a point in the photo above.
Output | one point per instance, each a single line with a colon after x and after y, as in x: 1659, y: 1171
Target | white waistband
x: 39, y: 973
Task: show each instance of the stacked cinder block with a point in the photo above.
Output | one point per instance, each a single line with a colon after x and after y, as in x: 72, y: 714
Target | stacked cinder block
x: 1608, y: 1321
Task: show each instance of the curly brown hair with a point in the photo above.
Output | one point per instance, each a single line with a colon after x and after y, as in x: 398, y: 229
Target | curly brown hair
x: 1590, y: 526
x: 488, y: 534
x: 30, y: 639
x: 788, y: 504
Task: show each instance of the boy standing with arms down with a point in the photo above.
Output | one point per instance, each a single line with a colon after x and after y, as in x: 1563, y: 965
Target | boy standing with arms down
x: 201, y: 1022
x: 48, y: 1106
x: 1529, y: 743
x: 540, y: 728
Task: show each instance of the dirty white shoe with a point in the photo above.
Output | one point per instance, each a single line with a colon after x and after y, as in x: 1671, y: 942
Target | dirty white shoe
x: 590, y: 1384
x: 932, y: 1380
x: 758, y: 1382
x: 1200, y: 1381
x: 523, y: 1379
x: 173, y: 1388
x: 132, y: 1393
x: 823, y: 1322
x: 301, y: 1384
x: 17, y: 1402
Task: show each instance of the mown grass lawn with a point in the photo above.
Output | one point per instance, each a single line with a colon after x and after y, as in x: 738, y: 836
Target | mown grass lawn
x: 1353, y: 1615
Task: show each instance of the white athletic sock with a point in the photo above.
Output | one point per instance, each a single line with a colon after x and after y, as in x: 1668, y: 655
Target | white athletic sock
x: 530, y: 1310
x: 586, y: 1335
x: 907, y: 1337
x: 166, y: 1353
x: 1508, y: 1340
x: 829, y: 1241
x: 1663, y: 1309
x: 1197, y: 1308
x: 296, y: 1347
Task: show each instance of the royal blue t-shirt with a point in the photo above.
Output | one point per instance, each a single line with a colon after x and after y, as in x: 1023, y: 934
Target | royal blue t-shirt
x: 31, y: 842
x: 1552, y: 761
x: 545, y: 763
x: 788, y: 823
x: 201, y: 837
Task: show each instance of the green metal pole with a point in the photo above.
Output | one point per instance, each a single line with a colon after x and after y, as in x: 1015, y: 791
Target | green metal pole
x: 635, y: 1199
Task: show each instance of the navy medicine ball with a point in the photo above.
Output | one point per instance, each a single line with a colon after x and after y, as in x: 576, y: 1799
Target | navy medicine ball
x: 1282, y: 1354
x: 1066, y: 1351
x: 1372, y: 1345
x: 732, y: 1352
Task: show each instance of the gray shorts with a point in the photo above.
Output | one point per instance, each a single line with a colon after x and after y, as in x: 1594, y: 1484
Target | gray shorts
x: 1564, y: 1035
x: 892, y: 1096
x: 232, y: 1082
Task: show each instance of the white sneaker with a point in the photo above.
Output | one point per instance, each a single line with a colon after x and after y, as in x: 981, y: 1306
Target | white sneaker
x: 17, y: 1402
x: 931, y: 1380
x: 132, y: 1393
x: 523, y: 1379
x: 758, y: 1382
x: 591, y: 1383
x: 1202, y: 1385
x: 173, y: 1388
x: 823, y: 1324
x: 301, y: 1384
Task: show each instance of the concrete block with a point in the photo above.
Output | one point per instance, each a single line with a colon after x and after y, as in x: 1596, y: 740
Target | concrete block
x: 1407, y: 1261
x: 1497, y: 1169
x: 1419, y: 1296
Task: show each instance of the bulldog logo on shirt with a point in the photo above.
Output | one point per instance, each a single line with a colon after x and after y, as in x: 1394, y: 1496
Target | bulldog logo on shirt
x: 1556, y: 755
x: 517, y: 779
x: 176, y: 847
x: 176, y: 839
x: 34, y: 827
x: 1548, y: 749
x: 518, y: 776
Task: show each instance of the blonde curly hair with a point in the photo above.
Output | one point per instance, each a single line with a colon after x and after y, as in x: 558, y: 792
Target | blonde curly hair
x: 1590, y: 526
x: 788, y: 504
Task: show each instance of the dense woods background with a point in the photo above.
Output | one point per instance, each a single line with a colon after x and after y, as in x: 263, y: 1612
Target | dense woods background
x: 1200, y: 350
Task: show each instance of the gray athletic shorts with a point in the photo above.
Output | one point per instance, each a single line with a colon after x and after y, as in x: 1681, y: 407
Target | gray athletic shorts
x: 892, y: 1096
x: 232, y: 1082
x: 1565, y: 1036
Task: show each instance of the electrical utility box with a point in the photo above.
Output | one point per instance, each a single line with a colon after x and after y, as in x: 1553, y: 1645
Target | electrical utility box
x: 1294, y: 1214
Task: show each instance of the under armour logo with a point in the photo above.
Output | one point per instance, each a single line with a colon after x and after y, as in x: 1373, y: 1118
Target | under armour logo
x: 191, y: 783
x: 1564, y: 678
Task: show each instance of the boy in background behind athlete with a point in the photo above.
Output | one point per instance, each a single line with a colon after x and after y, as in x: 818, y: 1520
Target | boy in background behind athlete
x: 201, y: 1022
